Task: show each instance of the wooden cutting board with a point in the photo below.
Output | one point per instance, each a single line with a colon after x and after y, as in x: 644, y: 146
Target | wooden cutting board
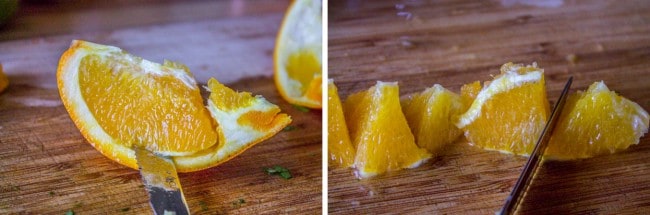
x: 47, y: 167
x: 420, y: 43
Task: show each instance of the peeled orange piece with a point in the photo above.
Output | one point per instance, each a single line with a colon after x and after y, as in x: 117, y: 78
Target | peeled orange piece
x: 297, y: 58
x: 119, y: 101
x: 380, y: 133
x: 339, y: 147
x: 430, y: 115
x: 4, y: 81
x: 596, y: 122
x: 509, y: 113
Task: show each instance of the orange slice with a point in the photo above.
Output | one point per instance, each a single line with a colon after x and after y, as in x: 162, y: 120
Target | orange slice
x: 118, y: 101
x: 509, y: 113
x: 596, y: 122
x: 297, y: 58
x: 430, y: 115
x: 380, y: 133
x: 339, y: 147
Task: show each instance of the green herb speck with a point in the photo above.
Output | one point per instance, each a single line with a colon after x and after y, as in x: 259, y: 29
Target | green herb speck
x: 70, y: 212
x: 280, y: 171
x: 301, y: 108
x: 289, y: 128
x: 238, y: 203
x: 51, y: 193
x: 125, y: 209
x: 203, y: 205
x: 285, y: 175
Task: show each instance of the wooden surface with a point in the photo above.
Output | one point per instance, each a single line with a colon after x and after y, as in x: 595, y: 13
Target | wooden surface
x: 47, y: 167
x: 420, y: 43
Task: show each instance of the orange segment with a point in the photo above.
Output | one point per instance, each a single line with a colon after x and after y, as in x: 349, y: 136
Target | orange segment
x: 118, y: 100
x: 137, y: 106
x: 468, y: 92
x: 297, y: 58
x: 509, y: 113
x: 430, y: 116
x: 226, y: 98
x: 380, y: 133
x: 596, y: 122
x: 339, y: 147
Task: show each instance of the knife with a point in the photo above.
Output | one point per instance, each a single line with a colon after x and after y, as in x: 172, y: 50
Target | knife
x: 161, y: 181
x: 535, y: 159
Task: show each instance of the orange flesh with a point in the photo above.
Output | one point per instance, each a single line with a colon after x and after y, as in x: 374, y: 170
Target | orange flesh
x: 4, y: 81
x: 511, y: 121
x: 158, y: 112
x: 430, y: 116
x: 339, y: 145
x: 380, y: 132
x: 226, y: 98
x: 594, y: 123
x: 303, y: 66
x: 260, y: 121
x: 468, y: 92
x: 314, y: 91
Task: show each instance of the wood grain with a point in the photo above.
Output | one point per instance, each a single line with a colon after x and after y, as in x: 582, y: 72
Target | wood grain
x: 52, y: 17
x: 47, y: 167
x: 420, y: 43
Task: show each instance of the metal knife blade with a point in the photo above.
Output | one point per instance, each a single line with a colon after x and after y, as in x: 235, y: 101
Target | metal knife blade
x: 161, y: 181
x: 526, y: 177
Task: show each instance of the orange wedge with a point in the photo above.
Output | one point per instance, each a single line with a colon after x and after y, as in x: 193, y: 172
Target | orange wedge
x: 596, y: 122
x: 509, y: 113
x: 430, y: 115
x: 339, y: 147
x: 119, y: 101
x: 297, y: 58
x: 380, y: 133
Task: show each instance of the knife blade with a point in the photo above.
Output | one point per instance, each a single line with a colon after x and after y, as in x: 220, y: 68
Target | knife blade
x: 161, y: 182
x: 534, y: 161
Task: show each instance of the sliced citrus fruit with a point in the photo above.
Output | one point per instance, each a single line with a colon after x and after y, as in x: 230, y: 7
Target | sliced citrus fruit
x: 339, y: 147
x: 430, y: 116
x: 596, y: 122
x: 4, y: 81
x: 244, y: 120
x: 297, y: 58
x: 468, y: 93
x: 509, y: 113
x: 118, y: 101
x: 379, y: 131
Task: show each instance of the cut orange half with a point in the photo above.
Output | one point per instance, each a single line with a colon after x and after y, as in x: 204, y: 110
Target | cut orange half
x: 119, y: 101
x: 297, y: 58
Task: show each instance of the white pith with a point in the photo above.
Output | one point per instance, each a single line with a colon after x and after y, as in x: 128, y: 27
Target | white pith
x: 302, y: 31
x: 507, y: 81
